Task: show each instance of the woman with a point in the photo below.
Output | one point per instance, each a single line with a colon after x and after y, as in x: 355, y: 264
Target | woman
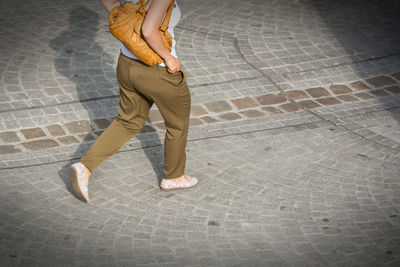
x: 141, y: 86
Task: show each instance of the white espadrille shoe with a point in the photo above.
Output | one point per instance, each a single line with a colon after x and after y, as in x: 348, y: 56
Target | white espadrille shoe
x: 168, y: 184
x: 80, y: 181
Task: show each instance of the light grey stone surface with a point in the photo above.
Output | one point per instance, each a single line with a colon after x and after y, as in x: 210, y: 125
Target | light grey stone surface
x: 318, y: 187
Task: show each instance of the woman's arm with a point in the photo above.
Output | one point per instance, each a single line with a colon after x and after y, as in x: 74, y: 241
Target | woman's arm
x: 110, y: 4
x: 151, y: 33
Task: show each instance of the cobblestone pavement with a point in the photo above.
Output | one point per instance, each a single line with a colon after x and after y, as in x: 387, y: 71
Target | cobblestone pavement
x: 295, y: 138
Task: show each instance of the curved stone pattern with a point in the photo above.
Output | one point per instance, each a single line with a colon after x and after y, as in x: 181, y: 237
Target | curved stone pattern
x: 287, y: 36
x: 296, y: 141
x: 55, y: 55
x: 327, y: 197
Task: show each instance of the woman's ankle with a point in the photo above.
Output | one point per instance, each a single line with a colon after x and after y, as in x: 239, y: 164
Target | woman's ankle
x: 87, y: 171
x: 175, y: 178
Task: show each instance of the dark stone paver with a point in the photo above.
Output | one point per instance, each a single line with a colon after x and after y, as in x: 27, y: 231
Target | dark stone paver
x: 309, y: 104
x: 230, y: 116
x: 196, y: 110
x: 318, y: 92
x: 252, y: 113
x: 67, y: 140
x: 55, y: 130
x: 296, y: 94
x: 393, y: 89
x: 270, y: 99
x: 9, y: 137
x: 364, y: 95
x: 290, y: 107
x: 82, y: 126
x: 379, y: 92
x: 218, y: 106
x: 328, y: 101
x: 102, y: 123
x: 243, y: 103
x: 40, y: 144
x: 33, y: 133
x: 208, y: 119
x: 272, y: 110
x: 358, y: 85
x: 340, y: 89
x: 396, y: 75
x: 381, y: 81
x: 347, y: 98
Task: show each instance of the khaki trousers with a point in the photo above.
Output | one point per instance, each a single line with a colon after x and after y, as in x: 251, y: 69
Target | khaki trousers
x: 140, y: 87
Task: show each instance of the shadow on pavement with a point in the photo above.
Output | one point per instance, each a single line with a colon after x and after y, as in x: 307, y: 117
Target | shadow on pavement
x: 83, y: 61
x: 368, y: 31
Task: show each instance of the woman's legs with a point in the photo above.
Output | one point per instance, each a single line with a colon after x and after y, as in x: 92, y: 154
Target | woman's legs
x: 140, y: 86
x: 132, y: 113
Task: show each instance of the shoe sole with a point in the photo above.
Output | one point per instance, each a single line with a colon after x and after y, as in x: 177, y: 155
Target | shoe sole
x: 75, y: 186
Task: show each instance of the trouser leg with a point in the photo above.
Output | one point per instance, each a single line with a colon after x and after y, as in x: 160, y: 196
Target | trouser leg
x: 171, y: 95
x: 176, y: 116
x: 132, y: 113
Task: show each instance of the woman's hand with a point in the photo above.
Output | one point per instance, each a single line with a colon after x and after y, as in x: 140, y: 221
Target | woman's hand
x: 172, y: 64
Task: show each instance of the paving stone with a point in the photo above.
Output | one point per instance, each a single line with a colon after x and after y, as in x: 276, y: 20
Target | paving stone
x: 396, y: 75
x: 9, y: 137
x: 218, y: 106
x: 86, y: 137
x: 243, y: 103
x: 393, y: 89
x: 67, y: 140
x: 347, y: 98
x: 252, y: 113
x: 327, y: 101
x: 197, y: 110
x: 98, y: 133
x: 340, y: 89
x: 230, y: 116
x: 102, y: 123
x: 308, y: 104
x: 272, y: 110
x: 160, y: 125
x: 359, y: 85
x: 379, y: 92
x: 381, y: 81
x: 290, y: 107
x: 317, y: 92
x: 40, y: 144
x: 155, y: 115
x: 75, y: 127
x: 8, y: 149
x: 55, y: 130
x: 364, y: 95
x: 209, y: 119
x: 147, y: 129
x: 296, y: 94
x: 195, y: 122
x: 270, y: 99
x: 319, y: 195
x: 33, y: 133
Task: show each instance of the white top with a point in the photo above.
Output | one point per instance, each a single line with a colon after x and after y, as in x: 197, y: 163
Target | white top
x: 175, y: 17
